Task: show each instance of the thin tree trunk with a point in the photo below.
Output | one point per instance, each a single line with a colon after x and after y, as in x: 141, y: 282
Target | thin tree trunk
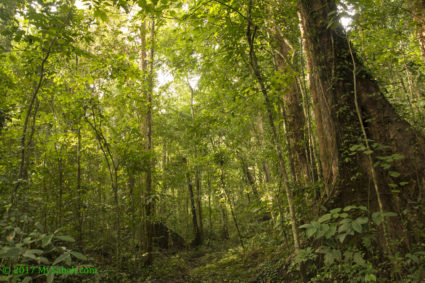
x: 197, y: 169
x: 163, y: 208
x: 37, y: 87
x: 79, y: 200
x: 132, y: 194
x: 197, y: 240
x: 249, y: 177
x: 258, y: 127
x: 113, y: 174
x: 209, y: 207
x: 46, y: 196
x: 229, y: 201
x: 148, y: 80
x: 277, y: 145
x: 60, y: 168
x: 224, y: 227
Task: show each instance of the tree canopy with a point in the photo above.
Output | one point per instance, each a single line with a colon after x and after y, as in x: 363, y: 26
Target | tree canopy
x: 212, y: 141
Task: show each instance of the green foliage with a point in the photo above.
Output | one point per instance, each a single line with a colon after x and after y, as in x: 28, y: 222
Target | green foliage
x: 345, y: 240
x: 33, y: 246
x: 85, y: 150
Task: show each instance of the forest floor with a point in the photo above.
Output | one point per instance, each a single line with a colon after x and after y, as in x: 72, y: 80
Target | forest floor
x: 208, y: 264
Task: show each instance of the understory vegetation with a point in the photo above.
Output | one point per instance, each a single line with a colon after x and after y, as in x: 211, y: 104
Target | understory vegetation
x: 212, y: 141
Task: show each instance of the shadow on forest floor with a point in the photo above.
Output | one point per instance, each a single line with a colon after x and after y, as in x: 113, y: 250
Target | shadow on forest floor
x: 207, y: 264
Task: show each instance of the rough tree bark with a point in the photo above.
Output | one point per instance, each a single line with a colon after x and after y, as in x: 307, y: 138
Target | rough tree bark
x: 295, y: 121
x: 417, y: 8
x: 348, y: 175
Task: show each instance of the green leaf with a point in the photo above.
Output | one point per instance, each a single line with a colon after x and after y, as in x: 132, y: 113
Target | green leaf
x: 331, y: 256
x: 350, y: 207
x: 12, y: 58
x: 377, y: 218
x: 305, y: 226
x: 325, y: 218
x: 27, y: 241
x: 61, y: 258
x: 370, y: 278
x: 101, y: 15
x: 354, y: 147
x: 362, y: 207
x: 390, y: 214
x: 66, y: 238
x: 50, y: 277
x: 36, y: 251
x: 46, y: 240
x: 311, y: 231
x: 322, y: 230
x: 357, y: 227
x: 29, y: 254
x: 367, y: 241
x: 79, y: 255
x: 413, y: 257
x: 43, y: 260
x: 343, y: 215
x: 58, y: 230
x: 10, y: 252
x: 331, y: 232
x: 358, y: 259
x: 394, y: 174
x: 26, y: 279
x: 362, y: 220
x: 335, y: 210
x: 397, y: 156
x: 341, y: 237
x: 90, y: 80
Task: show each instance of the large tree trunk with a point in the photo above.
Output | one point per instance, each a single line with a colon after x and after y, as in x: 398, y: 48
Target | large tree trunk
x: 335, y: 90
x: 293, y: 110
x: 417, y: 8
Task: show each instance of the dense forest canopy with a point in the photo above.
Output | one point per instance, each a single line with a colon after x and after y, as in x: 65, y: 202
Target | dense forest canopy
x: 212, y: 141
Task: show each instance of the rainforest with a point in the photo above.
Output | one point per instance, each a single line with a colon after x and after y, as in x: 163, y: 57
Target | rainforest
x: 212, y: 141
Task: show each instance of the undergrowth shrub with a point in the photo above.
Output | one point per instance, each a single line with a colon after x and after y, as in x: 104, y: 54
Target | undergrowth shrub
x: 27, y: 252
x: 343, y: 246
